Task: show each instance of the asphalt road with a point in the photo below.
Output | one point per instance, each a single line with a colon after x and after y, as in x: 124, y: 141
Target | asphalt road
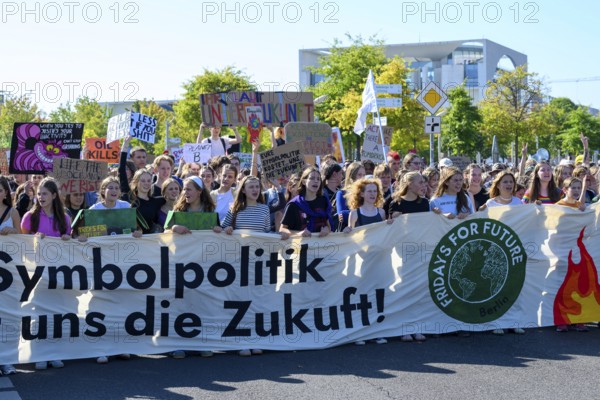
x: 540, y: 364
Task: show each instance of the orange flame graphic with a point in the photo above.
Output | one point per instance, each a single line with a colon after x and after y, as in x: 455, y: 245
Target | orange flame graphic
x: 578, y: 299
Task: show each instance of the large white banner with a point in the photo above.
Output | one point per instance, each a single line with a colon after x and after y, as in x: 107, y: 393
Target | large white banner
x: 523, y: 266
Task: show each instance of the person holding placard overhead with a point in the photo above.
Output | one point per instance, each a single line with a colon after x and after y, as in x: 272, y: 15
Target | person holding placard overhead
x: 220, y: 144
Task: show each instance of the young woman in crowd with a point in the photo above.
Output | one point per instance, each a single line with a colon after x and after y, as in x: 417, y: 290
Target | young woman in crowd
x: 365, y: 198
x: 10, y: 221
x: 410, y: 196
x: 433, y: 177
x: 354, y: 172
x: 249, y: 212
x: 170, y: 191
x: 542, y: 188
x: 561, y: 172
x: 139, y: 195
x: 223, y: 196
x: 503, y: 190
x: 193, y: 198
x: 110, y: 194
x: 473, y: 177
x: 163, y: 168
x: 74, y: 202
x: 24, y: 196
x: 450, y: 198
x: 208, y: 177
x: 47, y: 218
x: 309, y: 212
x: 502, y: 193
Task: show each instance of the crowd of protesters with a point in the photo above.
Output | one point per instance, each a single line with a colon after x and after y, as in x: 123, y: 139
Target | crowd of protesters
x: 330, y: 197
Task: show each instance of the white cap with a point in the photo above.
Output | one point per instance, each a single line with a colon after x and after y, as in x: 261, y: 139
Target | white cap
x: 445, y: 162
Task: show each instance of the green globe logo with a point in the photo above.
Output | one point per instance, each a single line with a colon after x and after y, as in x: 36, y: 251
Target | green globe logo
x: 477, y: 271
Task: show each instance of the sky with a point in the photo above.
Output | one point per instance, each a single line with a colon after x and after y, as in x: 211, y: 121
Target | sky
x: 146, y: 49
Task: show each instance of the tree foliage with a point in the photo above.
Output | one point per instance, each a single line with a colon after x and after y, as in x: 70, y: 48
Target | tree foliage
x: 187, y: 111
x: 345, y: 70
x: 509, y: 109
x: 16, y: 109
x: 461, y: 125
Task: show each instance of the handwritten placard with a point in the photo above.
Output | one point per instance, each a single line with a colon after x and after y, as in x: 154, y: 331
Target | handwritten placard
x: 79, y: 176
x: 35, y: 145
x: 315, y: 137
x: 143, y: 127
x: 282, y: 160
x: 387, y: 133
x: 98, y: 149
x: 277, y: 107
x: 198, y: 153
x: 139, y: 126
x: 372, y: 148
x: 119, y: 127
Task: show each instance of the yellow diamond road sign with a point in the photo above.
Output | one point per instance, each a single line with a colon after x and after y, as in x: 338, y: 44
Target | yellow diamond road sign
x: 432, y: 97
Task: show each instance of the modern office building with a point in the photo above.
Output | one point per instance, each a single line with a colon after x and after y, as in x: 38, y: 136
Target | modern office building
x: 448, y: 64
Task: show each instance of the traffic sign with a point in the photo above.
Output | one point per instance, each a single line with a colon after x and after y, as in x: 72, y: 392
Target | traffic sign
x: 389, y: 102
x: 388, y: 89
x: 432, y: 97
x: 433, y: 125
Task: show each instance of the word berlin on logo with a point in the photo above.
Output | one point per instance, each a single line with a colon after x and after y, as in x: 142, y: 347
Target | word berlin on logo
x: 477, y: 271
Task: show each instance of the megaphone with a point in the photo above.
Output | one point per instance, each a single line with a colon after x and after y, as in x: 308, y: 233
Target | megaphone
x: 541, y: 155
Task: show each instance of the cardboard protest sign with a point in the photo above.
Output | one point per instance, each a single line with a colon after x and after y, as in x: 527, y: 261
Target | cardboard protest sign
x: 118, y: 127
x: 79, y: 176
x: 315, y: 137
x: 254, y: 116
x: 98, y: 149
x: 460, y: 162
x: 195, y: 221
x: 139, y: 126
x: 282, y: 160
x: 277, y: 107
x: 198, y: 153
x: 143, y: 127
x: 35, y: 145
x: 177, y: 153
x: 4, y: 157
x: 246, y: 160
x: 371, y: 149
x: 387, y: 133
x: 338, y: 146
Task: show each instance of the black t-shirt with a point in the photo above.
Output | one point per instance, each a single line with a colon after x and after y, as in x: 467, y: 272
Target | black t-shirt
x: 407, y: 206
x: 481, y: 198
x: 296, y: 220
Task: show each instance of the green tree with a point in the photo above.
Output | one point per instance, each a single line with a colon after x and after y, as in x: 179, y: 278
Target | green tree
x: 461, y: 125
x: 64, y: 113
x: 187, y: 110
x: 580, y: 121
x: 407, y: 120
x: 93, y: 116
x: 511, y: 103
x: 344, y: 71
x: 16, y: 109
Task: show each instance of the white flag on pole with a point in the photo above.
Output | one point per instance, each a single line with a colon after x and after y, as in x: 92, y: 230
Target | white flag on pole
x: 369, y: 104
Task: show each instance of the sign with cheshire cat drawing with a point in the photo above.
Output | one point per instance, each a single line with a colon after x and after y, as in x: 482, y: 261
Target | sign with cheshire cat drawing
x: 34, y: 146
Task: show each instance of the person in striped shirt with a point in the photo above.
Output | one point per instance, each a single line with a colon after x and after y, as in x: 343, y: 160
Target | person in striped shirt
x: 249, y: 210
